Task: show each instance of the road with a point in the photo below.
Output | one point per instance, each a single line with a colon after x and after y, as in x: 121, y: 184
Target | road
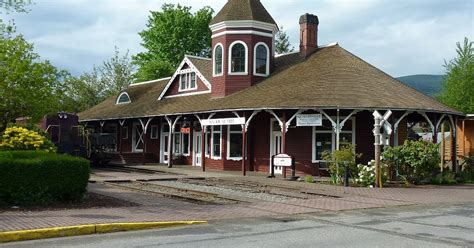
x: 414, y: 226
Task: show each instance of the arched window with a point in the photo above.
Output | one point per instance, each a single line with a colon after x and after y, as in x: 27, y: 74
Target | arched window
x: 123, y: 98
x: 262, y: 60
x: 218, y: 60
x: 238, y: 61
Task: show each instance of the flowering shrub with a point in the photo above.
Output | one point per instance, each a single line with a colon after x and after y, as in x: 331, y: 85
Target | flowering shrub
x: 20, y: 138
x: 366, y: 176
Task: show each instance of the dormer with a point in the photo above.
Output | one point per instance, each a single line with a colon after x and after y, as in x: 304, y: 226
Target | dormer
x: 191, y: 78
x: 243, y: 35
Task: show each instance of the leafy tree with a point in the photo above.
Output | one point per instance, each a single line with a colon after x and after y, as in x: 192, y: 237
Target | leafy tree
x: 91, y: 88
x: 28, y: 86
x: 8, y: 6
x: 458, y: 87
x: 282, y: 42
x: 169, y: 35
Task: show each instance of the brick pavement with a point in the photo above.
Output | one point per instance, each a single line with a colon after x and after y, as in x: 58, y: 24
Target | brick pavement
x: 155, y: 208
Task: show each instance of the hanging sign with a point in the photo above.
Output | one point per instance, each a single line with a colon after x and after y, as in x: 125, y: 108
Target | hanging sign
x: 309, y: 120
x: 223, y: 122
x: 186, y: 130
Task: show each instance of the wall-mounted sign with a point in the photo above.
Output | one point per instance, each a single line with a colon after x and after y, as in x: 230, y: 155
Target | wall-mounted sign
x: 313, y: 120
x: 186, y: 130
x: 284, y: 160
x: 223, y: 122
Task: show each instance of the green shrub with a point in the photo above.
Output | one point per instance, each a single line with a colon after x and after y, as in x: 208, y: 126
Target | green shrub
x: 337, y: 161
x: 36, y: 178
x: 446, y: 177
x: 309, y: 179
x: 415, y: 160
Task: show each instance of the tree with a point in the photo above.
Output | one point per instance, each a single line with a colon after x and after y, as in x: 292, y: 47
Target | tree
x: 11, y: 6
x: 28, y: 86
x: 282, y: 42
x: 91, y: 88
x: 169, y: 35
x: 458, y: 87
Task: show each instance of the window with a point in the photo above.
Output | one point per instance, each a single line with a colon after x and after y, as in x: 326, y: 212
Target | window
x: 154, y: 132
x: 324, y: 138
x: 234, y: 143
x: 123, y: 98
x: 124, y: 133
x: 185, y: 143
x: 238, y: 61
x: 261, y: 63
x: 187, y: 81
x: 218, y: 59
x: 208, y: 142
x: 177, y: 143
x: 216, y: 142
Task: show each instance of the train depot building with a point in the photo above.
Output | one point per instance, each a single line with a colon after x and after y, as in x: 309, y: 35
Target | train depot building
x: 236, y: 110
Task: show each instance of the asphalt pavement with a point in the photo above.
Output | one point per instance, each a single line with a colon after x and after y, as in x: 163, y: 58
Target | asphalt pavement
x: 408, y: 226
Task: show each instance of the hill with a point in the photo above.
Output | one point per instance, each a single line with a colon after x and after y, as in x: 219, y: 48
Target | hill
x: 428, y: 84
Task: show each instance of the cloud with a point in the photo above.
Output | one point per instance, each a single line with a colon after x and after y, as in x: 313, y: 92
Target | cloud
x: 399, y: 37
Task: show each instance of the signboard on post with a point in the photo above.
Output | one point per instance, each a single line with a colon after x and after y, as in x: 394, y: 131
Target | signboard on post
x: 314, y: 120
x: 223, y: 122
x: 283, y: 160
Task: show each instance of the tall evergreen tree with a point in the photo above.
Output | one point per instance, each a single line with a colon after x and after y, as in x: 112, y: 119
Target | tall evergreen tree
x: 282, y: 42
x: 169, y: 35
x: 458, y: 87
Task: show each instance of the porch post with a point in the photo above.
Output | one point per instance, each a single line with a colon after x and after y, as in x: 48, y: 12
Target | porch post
x: 283, y: 133
x: 454, y: 147
x: 144, y: 136
x: 443, y: 146
x: 338, y: 130
x: 244, y: 141
x: 170, y: 138
x: 203, y: 147
x: 121, y: 123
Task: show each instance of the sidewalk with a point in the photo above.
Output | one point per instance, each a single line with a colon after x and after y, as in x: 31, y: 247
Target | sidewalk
x: 154, y: 208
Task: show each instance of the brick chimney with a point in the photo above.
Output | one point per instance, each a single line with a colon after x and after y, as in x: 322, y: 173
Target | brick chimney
x: 308, y: 34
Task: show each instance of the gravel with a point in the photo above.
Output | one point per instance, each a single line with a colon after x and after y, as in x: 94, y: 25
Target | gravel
x: 226, y: 191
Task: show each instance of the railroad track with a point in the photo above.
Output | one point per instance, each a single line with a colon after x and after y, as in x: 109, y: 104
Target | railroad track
x: 128, y: 170
x: 189, y: 195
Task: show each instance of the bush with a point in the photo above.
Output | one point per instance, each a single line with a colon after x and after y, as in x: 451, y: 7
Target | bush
x: 309, y: 179
x: 367, y: 174
x: 415, y: 160
x: 20, y: 138
x: 467, y: 173
x: 38, y: 177
x: 337, y: 161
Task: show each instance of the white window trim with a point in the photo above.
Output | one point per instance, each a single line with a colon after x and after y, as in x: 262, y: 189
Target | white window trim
x: 228, y: 144
x: 188, y: 83
x: 214, y: 60
x: 267, y: 69
x: 246, y: 72
x: 212, y: 144
x: 154, y: 136
x: 353, y: 132
x: 189, y: 144
x: 121, y: 103
x: 124, y: 131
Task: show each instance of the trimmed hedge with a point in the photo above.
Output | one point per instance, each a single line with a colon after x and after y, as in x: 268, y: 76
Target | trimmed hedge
x: 38, y: 178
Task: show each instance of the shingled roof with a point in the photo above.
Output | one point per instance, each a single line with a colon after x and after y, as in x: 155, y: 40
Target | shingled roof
x: 331, y: 78
x: 236, y: 10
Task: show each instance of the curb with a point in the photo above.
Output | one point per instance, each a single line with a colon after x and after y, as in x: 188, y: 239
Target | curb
x: 69, y: 231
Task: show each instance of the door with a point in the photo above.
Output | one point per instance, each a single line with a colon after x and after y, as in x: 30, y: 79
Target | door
x: 276, y: 144
x: 137, y: 138
x: 164, y: 147
x: 197, y: 151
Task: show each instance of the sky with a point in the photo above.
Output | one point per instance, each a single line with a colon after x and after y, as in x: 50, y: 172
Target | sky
x: 402, y: 37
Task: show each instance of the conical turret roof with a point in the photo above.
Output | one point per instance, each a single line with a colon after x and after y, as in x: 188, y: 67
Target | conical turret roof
x: 240, y: 10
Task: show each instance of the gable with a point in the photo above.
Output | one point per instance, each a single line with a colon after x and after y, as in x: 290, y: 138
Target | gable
x: 187, y: 80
